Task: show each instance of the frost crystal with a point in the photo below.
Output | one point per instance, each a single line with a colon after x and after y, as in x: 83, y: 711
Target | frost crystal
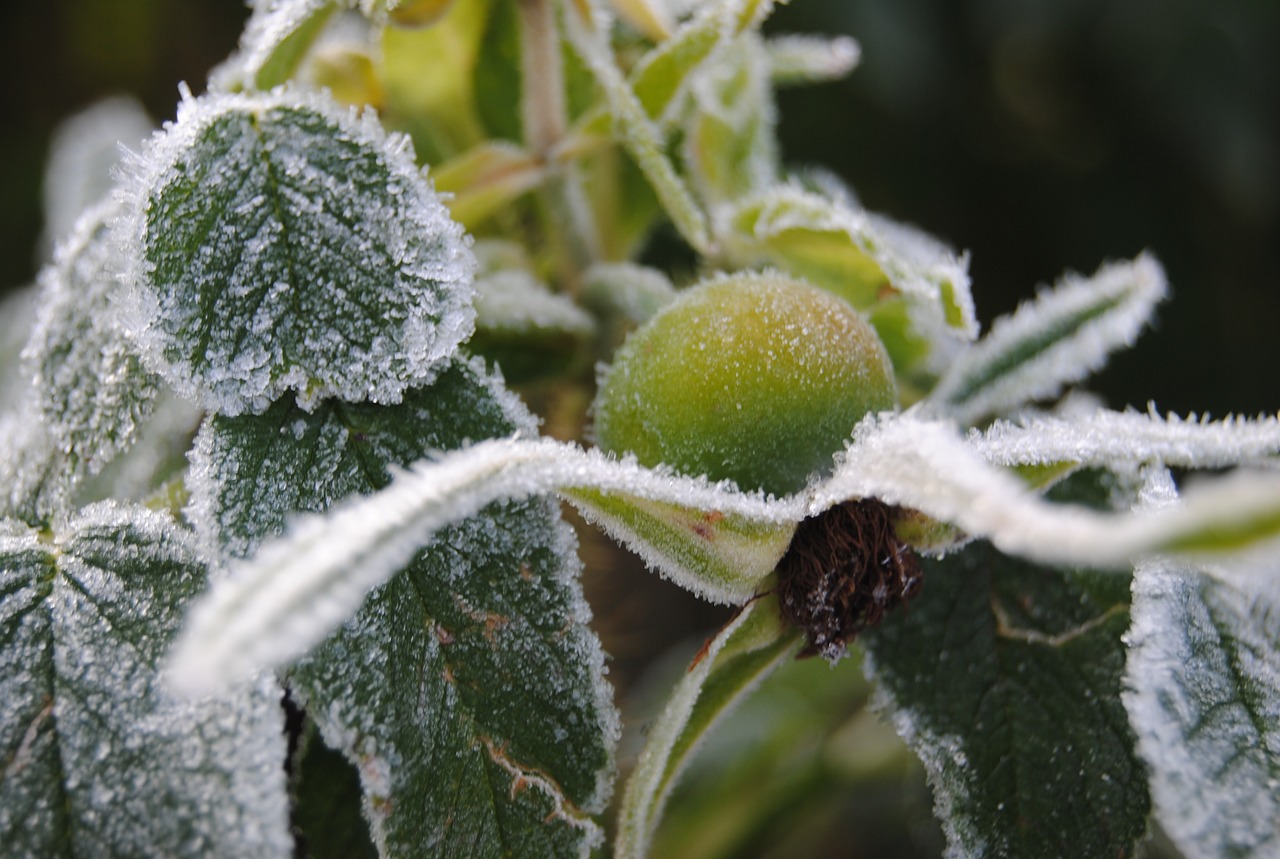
x: 280, y: 243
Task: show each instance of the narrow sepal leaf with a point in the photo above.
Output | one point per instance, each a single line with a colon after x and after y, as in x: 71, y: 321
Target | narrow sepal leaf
x: 748, y: 649
x: 915, y: 290
x: 1116, y: 439
x: 925, y: 466
x: 297, y: 589
x: 1005, y: 679
x: 1058, y: 338
x: 91, y: 389
x: 467, y: 690
x: 90, y: 739
x: 283, y: 244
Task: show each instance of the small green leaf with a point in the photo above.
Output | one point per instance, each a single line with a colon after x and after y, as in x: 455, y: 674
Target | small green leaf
x: 1204, y: 699
x: 283, y: 244
x: 468, y: 690
x: 748, y: 649
x: 1005, y: 678
x: 90, y: 743
x: 92, y: 392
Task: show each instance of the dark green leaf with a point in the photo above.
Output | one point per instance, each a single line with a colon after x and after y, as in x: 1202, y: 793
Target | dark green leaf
x: 467, y: 691
x: 1005, y: 678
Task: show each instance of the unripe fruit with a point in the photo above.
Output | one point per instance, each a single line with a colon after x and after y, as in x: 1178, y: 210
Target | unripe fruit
x: 757, y: 378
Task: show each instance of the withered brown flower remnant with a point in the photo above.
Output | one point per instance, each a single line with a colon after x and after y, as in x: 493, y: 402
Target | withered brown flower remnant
x: 844, y: 569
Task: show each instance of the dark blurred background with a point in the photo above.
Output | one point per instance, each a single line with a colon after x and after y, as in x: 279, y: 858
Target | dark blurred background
x: 1039, y: 135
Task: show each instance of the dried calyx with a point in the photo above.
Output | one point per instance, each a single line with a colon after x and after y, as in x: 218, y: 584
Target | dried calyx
x: 844, y: 569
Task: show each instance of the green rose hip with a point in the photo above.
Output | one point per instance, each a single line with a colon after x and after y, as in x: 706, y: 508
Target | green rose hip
x: 757, y: 378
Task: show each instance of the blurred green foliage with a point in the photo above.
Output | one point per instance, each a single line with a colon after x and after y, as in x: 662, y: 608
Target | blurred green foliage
x: 1039, y: 135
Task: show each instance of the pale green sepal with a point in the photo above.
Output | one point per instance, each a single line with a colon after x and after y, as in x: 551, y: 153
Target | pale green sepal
x: 1060, y: 337
x: 299, y: 587
x: 796, y: 59
x: 1124, y: 439
x: 741, y: 655
x: 637, y: 132
x: 915, y: 290
x: 721, y: 556
x: 276, y: 38
x: 926, y: 466
x: 486, y: 179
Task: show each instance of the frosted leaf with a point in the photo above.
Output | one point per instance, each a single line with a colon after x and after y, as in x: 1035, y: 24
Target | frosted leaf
x: 1204, y: 698
x: 516, y: 301
x: 811, y: 59
x: 734, y: 662
x: 914, y: 289
x: 1005, y: 678
x: 157, y: 456
x: 730, y: 147
x: 17, y: 317
x: 1203, y: 695
x: 1108, y: 439
x: 92, y: 743
x: 925, y: 466
x: 280, y: 244
x: 526, y: 329
x: 83, y: 156
x: 274, y: 42
x: 634, y: 128
x: 34, y: 485
x: 633, y: 292
x: 296, y: 589
x: 1060, y: 337
x: 92, y: 391
x: 468, y: 690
